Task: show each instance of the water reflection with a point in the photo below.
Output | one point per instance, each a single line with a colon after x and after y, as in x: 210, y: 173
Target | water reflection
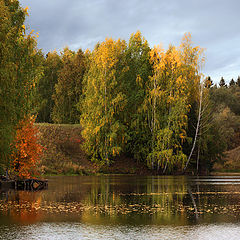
x: 126, y: 200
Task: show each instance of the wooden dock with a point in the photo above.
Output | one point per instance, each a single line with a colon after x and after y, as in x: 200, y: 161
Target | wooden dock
x: 31, y: 184
x: 26, y: 184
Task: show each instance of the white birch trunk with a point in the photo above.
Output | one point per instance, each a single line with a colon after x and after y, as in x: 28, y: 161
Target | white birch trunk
x: 197, y: 127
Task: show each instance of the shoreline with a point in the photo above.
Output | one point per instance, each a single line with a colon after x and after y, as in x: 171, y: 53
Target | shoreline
x: 63, y: 155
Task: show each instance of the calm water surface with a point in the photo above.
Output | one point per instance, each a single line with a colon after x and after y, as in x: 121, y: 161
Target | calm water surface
x: 124, y: 207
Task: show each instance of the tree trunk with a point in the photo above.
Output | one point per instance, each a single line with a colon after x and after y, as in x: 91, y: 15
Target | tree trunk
x: 197, y: 128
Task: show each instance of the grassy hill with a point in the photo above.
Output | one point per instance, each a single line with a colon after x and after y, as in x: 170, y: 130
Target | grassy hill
x: 63, y: 153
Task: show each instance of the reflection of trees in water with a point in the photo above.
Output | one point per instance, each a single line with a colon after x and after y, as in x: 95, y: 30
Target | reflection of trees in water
x: 167, y: 194
x: 102, y: 193
x: 125, y: 199
x: 160, y: 199
x: 161, y: 191
x: 211, y: 201
x: 66, y: 189
x: 22, y: 206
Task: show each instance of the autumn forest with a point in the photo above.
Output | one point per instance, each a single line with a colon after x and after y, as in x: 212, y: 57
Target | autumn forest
x: 150, y: 104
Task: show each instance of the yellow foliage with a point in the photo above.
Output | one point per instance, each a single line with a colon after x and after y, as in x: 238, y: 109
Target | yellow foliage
x: 139, y: 81
x: 26, y: 10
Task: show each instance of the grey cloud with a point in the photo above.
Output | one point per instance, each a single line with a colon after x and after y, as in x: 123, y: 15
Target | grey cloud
x: 214, y: 25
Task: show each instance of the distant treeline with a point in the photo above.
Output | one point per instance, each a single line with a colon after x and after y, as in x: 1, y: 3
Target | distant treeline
x: 148, y: 103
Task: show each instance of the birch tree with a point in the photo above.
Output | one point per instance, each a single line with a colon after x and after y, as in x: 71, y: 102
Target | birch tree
x: 168, y: 94
x: 103, y: 132
x: 135, y: 81
x: 171, y: 94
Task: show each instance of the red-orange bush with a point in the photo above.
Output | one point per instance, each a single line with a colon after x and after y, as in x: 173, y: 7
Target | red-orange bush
x: 26, y: 149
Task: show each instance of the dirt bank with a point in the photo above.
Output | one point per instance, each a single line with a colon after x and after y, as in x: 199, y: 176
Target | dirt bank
x: 63, y: 153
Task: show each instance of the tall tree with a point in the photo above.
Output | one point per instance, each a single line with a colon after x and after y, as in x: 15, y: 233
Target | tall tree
x: 232, y: 83
x: 238, y: 81
x: 193, y: 60
x: 134, y: 87
x: 52, y: 66
x: 68, y: 89
x: 104, y: 133
x: 20, y: 71
x: 208, y: 83
x: 172, y: 91
x: 168, y: 107
x: 222, y: 82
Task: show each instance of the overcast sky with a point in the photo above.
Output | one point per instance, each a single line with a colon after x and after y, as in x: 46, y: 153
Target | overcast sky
x: 213, y: 24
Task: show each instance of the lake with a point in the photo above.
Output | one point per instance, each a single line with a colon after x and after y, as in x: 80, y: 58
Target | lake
x: 124, y: 207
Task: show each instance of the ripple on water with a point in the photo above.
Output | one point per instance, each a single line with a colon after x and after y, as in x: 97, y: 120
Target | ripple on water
x: 74, y: 231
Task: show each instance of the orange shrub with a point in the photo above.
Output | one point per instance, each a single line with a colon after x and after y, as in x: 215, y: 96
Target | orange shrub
x: 26, y: 149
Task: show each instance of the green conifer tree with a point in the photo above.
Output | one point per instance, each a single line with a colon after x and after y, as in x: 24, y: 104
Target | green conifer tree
x: 222, y: 82
x: 232, y: 83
